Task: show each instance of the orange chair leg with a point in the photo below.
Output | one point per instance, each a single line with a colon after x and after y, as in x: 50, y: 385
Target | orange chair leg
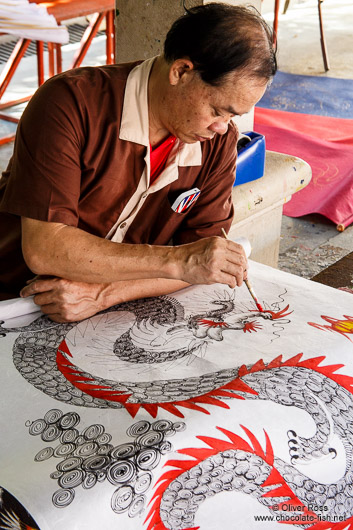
x: 40, y: 61
x: 110, y: 37
x: 59, y: 61
x: 7, y: 139
x: 275, y: 22
x: 114, y: 42
x: 15, y: 102
x: 87, y: 38
x: 12, y: 63
x: 11, y: 119
x: 51, y: 51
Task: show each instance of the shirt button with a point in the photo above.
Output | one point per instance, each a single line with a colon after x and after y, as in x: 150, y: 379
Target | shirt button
x: 122, y: 225
x: 144, y: 196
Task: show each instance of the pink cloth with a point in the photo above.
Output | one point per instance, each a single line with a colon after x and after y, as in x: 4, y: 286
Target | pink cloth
x: 327, y: 145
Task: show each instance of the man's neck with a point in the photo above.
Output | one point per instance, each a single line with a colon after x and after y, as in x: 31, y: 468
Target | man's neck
x: 156, y: 87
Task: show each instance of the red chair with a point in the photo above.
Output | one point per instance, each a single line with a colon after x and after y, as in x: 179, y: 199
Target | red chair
x: 61, y: 10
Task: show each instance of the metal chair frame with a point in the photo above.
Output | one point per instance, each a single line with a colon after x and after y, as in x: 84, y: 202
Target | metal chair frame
x: 322, y: 34
x: 64, y: 12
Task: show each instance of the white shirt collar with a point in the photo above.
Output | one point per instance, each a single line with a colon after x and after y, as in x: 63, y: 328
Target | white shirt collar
x: 134, y: 120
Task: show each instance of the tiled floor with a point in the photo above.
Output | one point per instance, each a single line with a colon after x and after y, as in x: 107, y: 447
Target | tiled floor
x: 311, y: 243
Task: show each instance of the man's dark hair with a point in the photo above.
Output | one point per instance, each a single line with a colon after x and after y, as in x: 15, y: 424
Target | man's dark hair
x: 220, y: 39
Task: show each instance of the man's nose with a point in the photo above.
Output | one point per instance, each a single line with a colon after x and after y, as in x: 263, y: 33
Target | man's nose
x: 219, y: 127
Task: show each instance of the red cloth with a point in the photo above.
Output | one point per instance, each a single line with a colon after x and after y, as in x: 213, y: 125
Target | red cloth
x: 159, y: 157
x: 326, y: 144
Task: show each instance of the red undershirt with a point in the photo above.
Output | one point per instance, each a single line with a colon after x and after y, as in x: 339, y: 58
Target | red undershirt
x: 159, y: 155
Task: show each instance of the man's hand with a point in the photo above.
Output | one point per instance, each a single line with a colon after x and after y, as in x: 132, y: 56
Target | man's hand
x: 65, y: 300
x: 70, y: 301
x: 212, y: 260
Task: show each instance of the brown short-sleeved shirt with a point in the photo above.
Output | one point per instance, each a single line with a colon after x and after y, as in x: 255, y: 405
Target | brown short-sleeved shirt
x: 70, y: 166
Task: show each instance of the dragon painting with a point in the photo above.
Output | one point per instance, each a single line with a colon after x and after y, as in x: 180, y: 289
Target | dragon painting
x: 42, y: 354
x: 145, y: 333
x: 234, y: 464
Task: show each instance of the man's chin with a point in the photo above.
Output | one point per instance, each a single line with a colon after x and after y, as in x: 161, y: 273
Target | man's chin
x: 203, y: 138
x: 188, y: 139
x: 192, y: 138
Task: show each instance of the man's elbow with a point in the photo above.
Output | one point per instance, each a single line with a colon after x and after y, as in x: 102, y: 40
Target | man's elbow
x: 34, y: 258
x: 37, y: 245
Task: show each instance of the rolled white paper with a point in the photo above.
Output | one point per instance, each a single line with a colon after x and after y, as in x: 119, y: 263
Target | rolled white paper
x: 17, y: 307
x: 245, y: 243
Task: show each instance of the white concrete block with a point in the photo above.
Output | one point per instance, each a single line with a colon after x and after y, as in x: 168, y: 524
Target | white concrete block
x: 259, y: 204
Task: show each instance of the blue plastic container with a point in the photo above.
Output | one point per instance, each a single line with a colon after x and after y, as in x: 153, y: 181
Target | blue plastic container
x: 251, y: 158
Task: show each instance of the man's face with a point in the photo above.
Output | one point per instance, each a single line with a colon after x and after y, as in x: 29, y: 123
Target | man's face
x: 196, y: 111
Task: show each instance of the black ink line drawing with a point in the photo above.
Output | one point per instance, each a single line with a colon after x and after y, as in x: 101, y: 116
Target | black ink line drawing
x: 42, y: 355
x: 236, y: 465
x: 148, y: 340
x: 89, y: 457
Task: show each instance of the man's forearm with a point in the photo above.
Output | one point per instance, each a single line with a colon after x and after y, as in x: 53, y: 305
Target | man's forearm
x: 125, y: 291
x: 68, y: 252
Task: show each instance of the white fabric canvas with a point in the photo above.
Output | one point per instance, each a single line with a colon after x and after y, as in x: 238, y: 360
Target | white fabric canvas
x: 193, y: 410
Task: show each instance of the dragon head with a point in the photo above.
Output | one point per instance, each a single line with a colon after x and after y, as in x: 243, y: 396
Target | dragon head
x: 278, y: 314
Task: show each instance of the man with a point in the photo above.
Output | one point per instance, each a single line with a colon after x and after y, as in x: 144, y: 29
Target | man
x: 107, y: 159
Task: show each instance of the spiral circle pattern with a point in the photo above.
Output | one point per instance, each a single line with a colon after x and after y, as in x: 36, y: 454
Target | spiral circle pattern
x: 63, y: 498
x: 122, y: 499
x: 89, y: 458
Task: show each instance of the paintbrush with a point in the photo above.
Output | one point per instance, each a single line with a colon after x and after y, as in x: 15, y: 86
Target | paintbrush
x: 247, y: 283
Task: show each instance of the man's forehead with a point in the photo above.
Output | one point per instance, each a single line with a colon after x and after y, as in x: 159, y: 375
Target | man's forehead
x: 239, y: 96
x: 227, y: 100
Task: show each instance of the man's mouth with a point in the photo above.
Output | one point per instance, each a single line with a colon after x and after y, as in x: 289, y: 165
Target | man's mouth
x: 203, y: 138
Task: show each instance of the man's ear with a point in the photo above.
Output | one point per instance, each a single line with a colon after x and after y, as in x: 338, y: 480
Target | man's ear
x: 180, y: 71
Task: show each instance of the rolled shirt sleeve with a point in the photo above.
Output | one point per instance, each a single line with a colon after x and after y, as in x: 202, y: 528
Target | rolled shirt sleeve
x: 45, y: 170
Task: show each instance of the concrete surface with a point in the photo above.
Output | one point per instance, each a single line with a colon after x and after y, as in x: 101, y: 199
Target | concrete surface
x: 259, y: 204
x: 310, y: 243
x: 142, y: 25
x: 299, y: 49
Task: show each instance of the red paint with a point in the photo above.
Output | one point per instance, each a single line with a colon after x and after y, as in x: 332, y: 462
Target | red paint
x: 251, y: 326
x: 73, y: 374
x: 216, y: 446
x: 344, y: 327
x: 212, y: 323
x: 278, y: 314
